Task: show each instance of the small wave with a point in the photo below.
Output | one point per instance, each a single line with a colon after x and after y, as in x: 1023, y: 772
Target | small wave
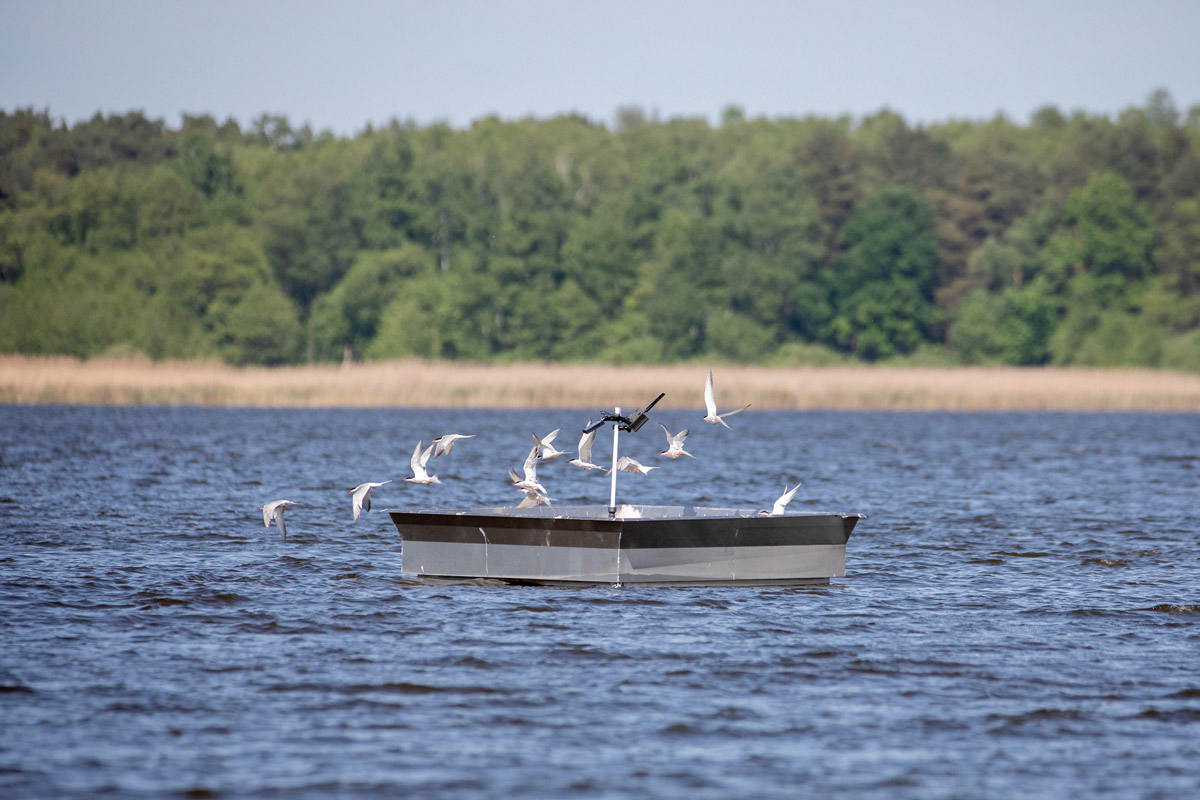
x: 1173, y: 715
x: 585, y: 651
x: 1171, y: 608
x: 1038, y: 715
x: 474, y: 662
x: 823, y: 654
x: 1093, y: 612
x: 159, y: 601
x: 405, y: 687
x: 15, y: 688
x: 709, y: 602
x: 1107, y: 562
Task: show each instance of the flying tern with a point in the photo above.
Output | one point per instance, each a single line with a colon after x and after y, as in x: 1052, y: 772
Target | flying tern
x: 627, y: 464
x: 529, y: 483
x: 273, y: 512
x: 445, y: 444
x: 584, y: 461
x: 675, y: 443
x: 532, y: 499
x: 710, y: 403
x: 418, y: 461
x: 360, y: 497
x: 545, y: 448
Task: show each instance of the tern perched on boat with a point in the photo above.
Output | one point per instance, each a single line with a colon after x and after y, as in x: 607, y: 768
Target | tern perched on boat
x: 627, y: 464
x: 445, y: 444
x: 418, y: 461
x: 584, y: 461
x: 529, y: 483
x: 710, y: 403
x: 545, y: 448
x: 675, y: 443
x: 783, y: 500
x: 360, y: 497
x: 273, y: 512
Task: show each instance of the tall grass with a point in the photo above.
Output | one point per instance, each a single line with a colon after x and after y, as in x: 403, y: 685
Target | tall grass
x: 417, y: 383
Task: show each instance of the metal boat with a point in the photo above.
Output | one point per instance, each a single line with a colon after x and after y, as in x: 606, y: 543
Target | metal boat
x: 644, y: 545
x: 624, y: 544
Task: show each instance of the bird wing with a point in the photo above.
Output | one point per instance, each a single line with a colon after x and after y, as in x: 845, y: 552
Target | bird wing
x: 585, y: 444
x: 530, y: 466
x: 279, y: 522
x: 425, y: 455
x: 268, y: 513
x: 736, y: 411
x: 549, y: 437
x: 710, y: 401
x: 415, y: 461
x: 445, y: 444
x: 361, y: 498
x: 784, y: 499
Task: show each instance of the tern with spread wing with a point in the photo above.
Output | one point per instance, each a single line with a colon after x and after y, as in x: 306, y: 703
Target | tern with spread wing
x: 675, y: 443
x: 529, y: 483
x: 710, y: 404
x: 783, y: 500
x: 627, y: 464
x: 445, y: 444
x: 545, y: 447
x: 360, y: 497
x: 273, y: 512
x: 417, y: 462
x: 584, y: 461
x: 532, y: 499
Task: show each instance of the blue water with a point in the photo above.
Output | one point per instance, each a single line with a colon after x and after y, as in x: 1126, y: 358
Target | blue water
x: 1020, y: 615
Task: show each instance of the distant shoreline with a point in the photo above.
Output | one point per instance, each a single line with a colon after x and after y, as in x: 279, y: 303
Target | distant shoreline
x: 414, y: 383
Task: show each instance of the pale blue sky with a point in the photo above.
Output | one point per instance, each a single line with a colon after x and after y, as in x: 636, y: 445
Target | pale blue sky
x: 340, y: 65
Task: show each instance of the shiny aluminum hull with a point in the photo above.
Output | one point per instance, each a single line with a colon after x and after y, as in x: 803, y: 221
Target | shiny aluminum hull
x: 646, y: 545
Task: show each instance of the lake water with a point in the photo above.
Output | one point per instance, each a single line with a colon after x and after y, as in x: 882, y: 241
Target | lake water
x: 1020, y: 615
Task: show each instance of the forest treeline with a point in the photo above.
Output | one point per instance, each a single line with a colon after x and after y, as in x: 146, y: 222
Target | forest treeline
x: 1073, y: 239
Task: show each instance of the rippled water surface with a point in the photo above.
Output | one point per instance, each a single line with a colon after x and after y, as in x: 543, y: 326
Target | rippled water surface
x: 1020, y: 614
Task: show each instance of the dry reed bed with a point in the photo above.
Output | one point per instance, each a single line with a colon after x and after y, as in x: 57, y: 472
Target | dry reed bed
x: 414, y: 383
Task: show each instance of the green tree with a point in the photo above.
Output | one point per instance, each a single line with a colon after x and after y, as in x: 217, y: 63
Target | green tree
x: 881, y: 288
x: 771, y: 244
x: 1104, y: 233
x: 1013, y: 326
x: 347, y: 318
x: 1177, y: 254
x: 311, y: 214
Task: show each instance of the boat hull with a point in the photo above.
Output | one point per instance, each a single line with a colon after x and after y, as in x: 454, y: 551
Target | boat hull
x: 648, y: 545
